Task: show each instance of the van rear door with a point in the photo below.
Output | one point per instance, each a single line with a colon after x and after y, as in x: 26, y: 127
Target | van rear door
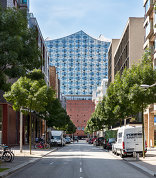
x: 129, y: 140
x: 138, y: 139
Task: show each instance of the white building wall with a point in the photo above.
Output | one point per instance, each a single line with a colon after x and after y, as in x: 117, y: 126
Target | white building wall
x: 100, y: 92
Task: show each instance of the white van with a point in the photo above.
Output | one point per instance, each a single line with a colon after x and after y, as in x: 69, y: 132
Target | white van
x: 56, y: 138
x: 129, y: 140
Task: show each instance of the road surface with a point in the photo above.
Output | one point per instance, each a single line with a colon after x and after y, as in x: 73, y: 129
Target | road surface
x: 80, y: 160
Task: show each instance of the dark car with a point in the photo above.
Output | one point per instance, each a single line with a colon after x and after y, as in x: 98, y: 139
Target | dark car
x: 76, y: 138
x: 99, y: 141
x: 68, y: 140
x: 107, y: 144
x: 91, y: 140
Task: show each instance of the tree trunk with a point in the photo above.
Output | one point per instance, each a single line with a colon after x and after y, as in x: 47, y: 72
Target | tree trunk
x: 45, y: 135
x: 30, y: 132
x: 143, y: 132
x: 21, y: 130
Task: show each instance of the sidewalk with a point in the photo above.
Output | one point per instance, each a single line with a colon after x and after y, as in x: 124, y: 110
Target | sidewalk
x: 147, y: 164
x: 23, y: 159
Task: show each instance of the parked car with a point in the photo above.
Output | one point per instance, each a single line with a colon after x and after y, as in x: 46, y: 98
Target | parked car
x: 129, y: 140
x: 99, y: 141
x: 90, y: 141
x: 87, y: 139
x: 76, y: 138
x: 107, y: 144
x: 68, y: 139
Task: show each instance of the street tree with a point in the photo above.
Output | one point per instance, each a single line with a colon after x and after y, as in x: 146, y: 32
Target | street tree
x: 19, y: 51
x: 29, y: 94
x: 139, y: 97
x: 71, y: 128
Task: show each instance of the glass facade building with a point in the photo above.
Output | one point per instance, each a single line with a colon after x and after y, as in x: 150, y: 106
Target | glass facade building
x: 81, y: 63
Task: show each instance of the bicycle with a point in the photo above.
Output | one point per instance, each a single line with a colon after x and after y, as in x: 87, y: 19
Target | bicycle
x: 42, y: 145
x: 6, y: 154
x: 6, y: 148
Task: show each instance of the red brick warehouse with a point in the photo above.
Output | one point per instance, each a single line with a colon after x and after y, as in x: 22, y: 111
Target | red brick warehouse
x: 80, y: 112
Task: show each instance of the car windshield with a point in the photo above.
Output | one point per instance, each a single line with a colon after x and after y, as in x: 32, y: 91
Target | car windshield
x: 111, y: 140
x: 56, y: 137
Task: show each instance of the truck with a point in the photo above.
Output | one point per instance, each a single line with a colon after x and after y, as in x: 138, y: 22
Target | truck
x: 56, y: 138
x: 129, y: 141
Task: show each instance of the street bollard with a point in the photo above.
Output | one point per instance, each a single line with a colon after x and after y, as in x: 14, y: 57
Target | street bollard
x: 136, y: 155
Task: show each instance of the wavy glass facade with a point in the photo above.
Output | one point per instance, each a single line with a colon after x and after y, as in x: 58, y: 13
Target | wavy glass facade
x: 81, y: 63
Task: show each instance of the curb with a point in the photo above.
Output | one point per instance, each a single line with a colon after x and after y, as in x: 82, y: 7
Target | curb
x: 12, y: 170
x: 134, y: 164
x: 143, y: 168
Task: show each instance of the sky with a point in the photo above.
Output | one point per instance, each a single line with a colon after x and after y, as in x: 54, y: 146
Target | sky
x: 59, y: 18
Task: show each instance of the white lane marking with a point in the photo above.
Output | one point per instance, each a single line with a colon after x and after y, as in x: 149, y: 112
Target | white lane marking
x: 80, y: 163
x: 81, y: 177
x: 51, y: 163
x: 80, y: 169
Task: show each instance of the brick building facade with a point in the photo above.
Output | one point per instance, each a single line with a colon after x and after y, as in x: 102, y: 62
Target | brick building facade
x: 54, y: 81
x: 80, y: 112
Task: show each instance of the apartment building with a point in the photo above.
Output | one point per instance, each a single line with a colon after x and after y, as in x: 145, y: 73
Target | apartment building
x: 9, y: 119
x: 150, y: 42
x: 111, y: 51
x: 127, y: 50
x: 23, y: 4
x: 54, y: 81
x: 32, y: 21
x: 130, y: 46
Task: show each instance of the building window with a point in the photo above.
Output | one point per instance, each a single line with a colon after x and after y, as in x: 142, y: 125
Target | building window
x: 23, y: 1
x: 147, y: 5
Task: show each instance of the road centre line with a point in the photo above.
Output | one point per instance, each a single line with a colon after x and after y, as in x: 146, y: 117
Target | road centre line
x: 80, y: 169
x: 80, y: 163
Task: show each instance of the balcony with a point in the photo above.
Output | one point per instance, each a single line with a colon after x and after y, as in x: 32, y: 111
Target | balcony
x: 149, y: 4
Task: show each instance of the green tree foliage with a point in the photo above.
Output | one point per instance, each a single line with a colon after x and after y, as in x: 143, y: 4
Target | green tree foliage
x: 125, y: 97
x: 71, y: 128
x: 29, y: 94
x: 57, y: 116
x: 19, y: 51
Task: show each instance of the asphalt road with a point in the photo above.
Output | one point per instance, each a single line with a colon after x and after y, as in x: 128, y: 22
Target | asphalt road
x: 80, y: 160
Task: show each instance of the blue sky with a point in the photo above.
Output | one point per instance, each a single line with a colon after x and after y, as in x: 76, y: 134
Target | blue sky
x: 58, y: 18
